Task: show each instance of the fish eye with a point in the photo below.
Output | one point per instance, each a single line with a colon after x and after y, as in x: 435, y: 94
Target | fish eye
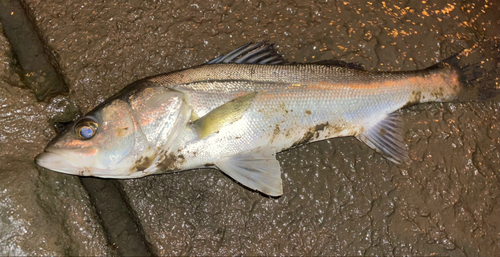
x: 86, y: 128
x: 86, y: 132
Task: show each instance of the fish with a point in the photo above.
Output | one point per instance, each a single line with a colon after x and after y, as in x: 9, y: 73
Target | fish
x: 237, y: 111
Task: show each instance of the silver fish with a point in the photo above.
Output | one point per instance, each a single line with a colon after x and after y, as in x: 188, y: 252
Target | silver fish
x: 237, y: 111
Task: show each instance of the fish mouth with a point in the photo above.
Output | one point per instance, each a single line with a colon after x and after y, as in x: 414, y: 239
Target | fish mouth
x: 53, y: 160
x: 79, y: 162
x: 74, y: 162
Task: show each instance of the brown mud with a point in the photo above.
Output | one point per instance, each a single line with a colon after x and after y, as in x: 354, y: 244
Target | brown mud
x: 340, y: 197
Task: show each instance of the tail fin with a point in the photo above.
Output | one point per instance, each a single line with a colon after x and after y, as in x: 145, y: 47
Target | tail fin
x: 479, y: 71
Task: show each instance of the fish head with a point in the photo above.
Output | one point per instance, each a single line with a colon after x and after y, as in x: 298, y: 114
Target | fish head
x: 104, y: 143
x: 121, y: 137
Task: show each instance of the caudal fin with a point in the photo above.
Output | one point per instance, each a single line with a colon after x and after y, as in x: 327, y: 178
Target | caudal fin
x: 479, y: 70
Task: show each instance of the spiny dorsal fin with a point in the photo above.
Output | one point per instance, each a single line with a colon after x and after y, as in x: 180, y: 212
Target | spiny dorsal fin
x: 227, y: 113
x: 257, y: 169
x: 386, y: 138
x: 258, y: 53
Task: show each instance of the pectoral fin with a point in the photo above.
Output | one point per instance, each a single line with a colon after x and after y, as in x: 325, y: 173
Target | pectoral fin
x: 257, y: 169
x: 386, y: 138
x: 223, y: 115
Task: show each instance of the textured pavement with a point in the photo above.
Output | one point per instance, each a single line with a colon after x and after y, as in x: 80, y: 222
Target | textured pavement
x: 41, y: 212
x: 340, y: 197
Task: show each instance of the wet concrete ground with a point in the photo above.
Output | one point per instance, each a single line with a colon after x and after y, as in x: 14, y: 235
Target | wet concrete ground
x: 340, y: 198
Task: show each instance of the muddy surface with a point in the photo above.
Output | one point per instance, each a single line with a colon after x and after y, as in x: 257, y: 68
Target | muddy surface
x: 340, y: 197
x: 37, y: 71
x: 41, y: 212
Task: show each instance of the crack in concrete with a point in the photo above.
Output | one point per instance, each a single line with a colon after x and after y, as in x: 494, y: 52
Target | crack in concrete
x: 37, y: 71
x: 118, y: 220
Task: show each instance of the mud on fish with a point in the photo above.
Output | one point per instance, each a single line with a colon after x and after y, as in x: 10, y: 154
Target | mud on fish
x: 237, y: 111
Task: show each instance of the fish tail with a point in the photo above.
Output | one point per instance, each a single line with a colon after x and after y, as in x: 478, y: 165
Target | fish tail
x: 478, y: 71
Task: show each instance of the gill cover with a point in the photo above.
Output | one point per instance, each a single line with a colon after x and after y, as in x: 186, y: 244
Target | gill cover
x: 161, y: 113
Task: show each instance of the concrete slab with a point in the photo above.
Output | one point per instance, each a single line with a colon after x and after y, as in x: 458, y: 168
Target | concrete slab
x: 41, y: 213
x: 340, y: 197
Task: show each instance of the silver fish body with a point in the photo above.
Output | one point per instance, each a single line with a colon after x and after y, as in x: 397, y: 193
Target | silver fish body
x: 236, y: 117
x: 313, y: 103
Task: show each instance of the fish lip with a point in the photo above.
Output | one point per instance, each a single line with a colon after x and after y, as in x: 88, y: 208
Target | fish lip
x: 55, y: 160
x: 47, y: 158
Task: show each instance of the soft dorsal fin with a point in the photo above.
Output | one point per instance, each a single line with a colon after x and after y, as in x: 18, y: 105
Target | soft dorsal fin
x: 257, y: 169
x: 258, y: 53
x: 227, y: 113
x: 386, y: 138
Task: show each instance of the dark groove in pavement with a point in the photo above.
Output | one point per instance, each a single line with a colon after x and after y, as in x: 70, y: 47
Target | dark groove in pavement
x: 38, y: 72
x: 123, y: 232
x: 122, y: 228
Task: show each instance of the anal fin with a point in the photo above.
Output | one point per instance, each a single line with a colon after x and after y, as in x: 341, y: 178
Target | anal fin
x: 386, y: 138
x: 257, y: 169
